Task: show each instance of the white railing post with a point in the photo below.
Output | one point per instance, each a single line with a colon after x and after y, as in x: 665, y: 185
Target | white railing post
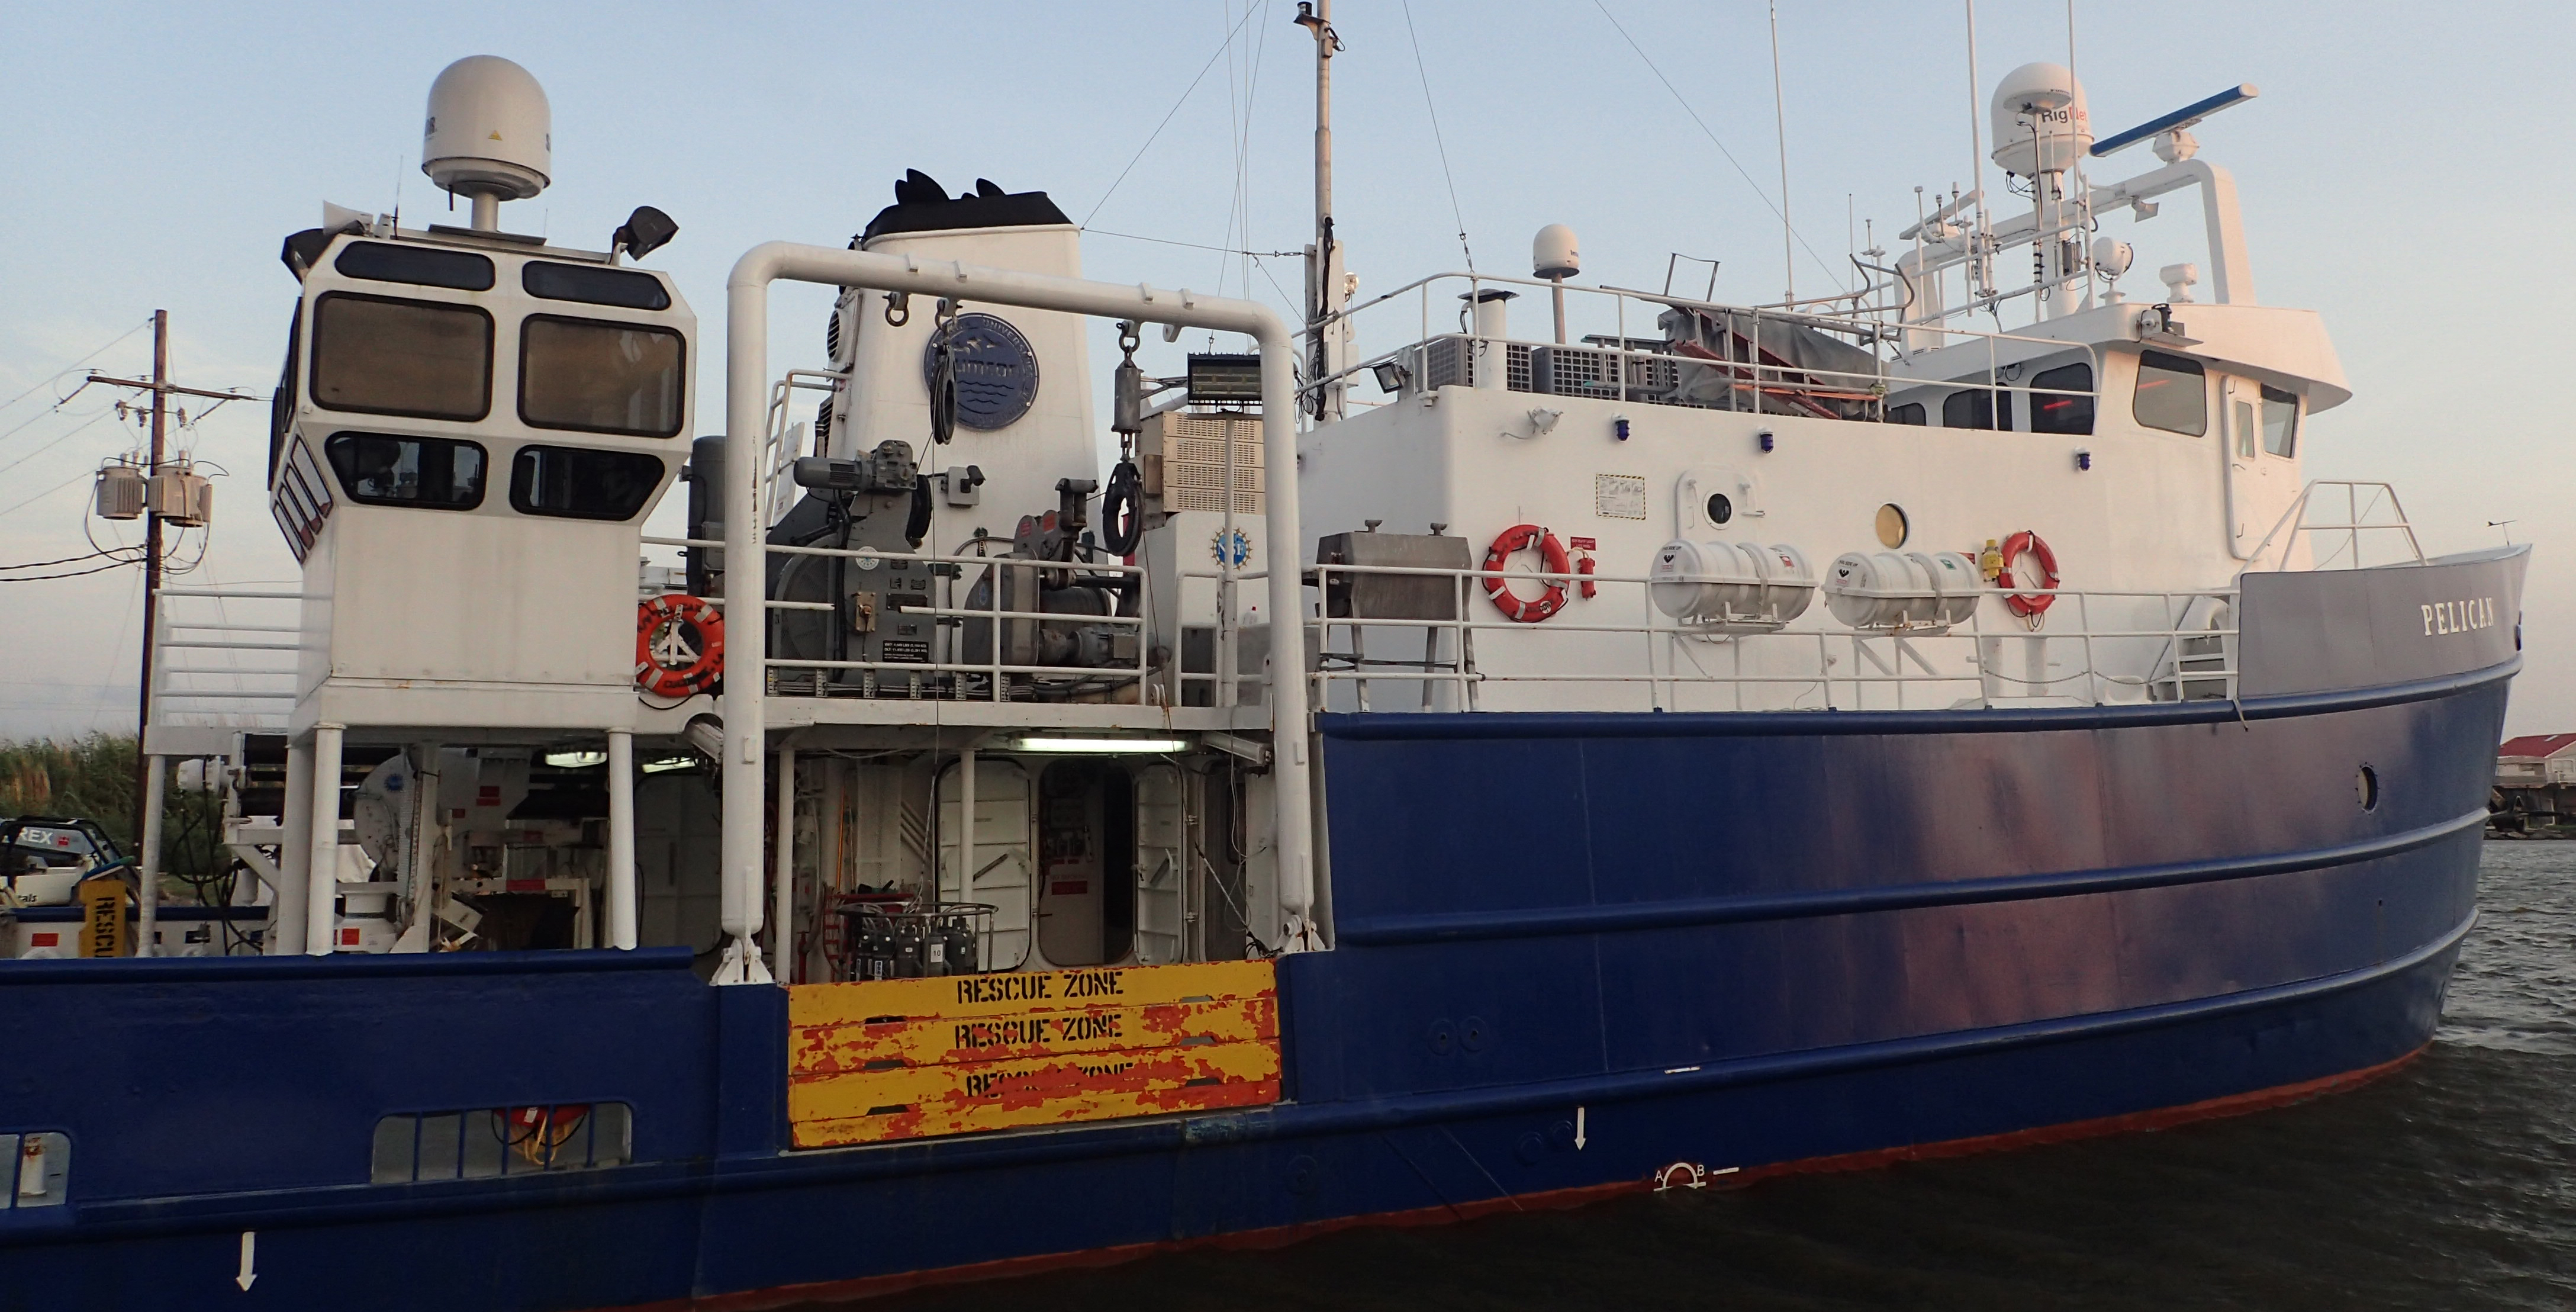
x: 294, y: 854
x: 322, y: 871
x: 621, y: 838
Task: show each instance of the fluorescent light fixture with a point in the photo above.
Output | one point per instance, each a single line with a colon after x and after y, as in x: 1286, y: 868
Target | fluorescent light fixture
x: 576, y: 760
x: 1104, y: 746
x: 669, y: 763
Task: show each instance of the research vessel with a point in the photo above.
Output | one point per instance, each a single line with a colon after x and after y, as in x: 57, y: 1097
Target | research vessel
x: 1441, y: 766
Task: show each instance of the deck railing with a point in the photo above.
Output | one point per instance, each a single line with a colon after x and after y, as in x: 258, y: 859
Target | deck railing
x: 2089, y: 647
x: 1752, y: 370
x: 225, y: 658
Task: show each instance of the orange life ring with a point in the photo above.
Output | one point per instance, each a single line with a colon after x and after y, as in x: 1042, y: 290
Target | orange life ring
x: 679, y: 645
x: 1552, y: 558
x: 2027, y: 543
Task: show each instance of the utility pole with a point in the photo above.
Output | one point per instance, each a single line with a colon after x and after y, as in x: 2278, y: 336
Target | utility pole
x: 162, y: 389
x: 151, y: 582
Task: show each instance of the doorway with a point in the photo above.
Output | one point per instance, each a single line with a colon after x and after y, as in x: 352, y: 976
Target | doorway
x: 1086, y: 863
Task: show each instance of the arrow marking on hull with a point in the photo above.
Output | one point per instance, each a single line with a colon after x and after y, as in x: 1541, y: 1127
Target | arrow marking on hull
x: 249, y: 1257
x: 1578, y: 1147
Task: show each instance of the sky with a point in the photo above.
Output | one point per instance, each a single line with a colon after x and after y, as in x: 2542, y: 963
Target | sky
x: 2397, y: 175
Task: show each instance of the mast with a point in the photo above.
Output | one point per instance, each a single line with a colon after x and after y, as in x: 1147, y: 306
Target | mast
x: 1324, y: 280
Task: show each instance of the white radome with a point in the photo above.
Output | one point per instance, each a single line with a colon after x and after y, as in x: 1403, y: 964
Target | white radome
x: 2040, y: 122
x: 489, y: 130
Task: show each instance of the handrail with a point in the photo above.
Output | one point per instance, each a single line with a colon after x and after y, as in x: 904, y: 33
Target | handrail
x: 2152, y: 647
x: 2294, y: 519
x: 1760, y: 374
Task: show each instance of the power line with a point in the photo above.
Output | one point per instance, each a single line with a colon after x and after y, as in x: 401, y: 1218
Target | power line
x: 73, y: 365
x: 1167, y: 117
x: 58, y: 441
x: 1711, y: 135
x: 78, y: 573
x: 47, y: 492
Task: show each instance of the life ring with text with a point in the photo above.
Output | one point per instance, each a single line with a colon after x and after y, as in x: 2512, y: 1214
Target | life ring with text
x: 1552, y: 559
x: 2028, y: 604
x: 679, y: 645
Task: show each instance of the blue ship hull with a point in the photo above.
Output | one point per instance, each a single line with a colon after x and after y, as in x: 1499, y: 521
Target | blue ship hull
x: 1732, y: 941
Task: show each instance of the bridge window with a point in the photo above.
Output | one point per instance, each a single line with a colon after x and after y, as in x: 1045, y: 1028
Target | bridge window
x: 491, y: 1141
x: 425, y: 265
x: 435, y: 473
x: 2280, y: 422
x: 1909, y: 413
x: 2172, y: 394
x: 595, y: 285
x: 1976, y: 407
x: 600, y: 377
x: 379, y: 355
x: 2052, y: 410
x: 575, y: 483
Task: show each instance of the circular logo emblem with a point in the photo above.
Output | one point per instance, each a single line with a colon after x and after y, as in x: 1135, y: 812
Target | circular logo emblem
x: 996, y: 372
x: 1231, y: 547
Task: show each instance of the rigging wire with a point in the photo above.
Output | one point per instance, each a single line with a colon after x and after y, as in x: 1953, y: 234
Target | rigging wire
x: 1193, y: 245
x: 1436, y: 139
x: 1711, y: 135
x: 1167, y: 119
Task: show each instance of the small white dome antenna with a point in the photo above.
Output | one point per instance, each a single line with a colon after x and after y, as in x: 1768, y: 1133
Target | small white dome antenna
x: 1556, y: 256
x: 489, y: 135
x: 2040, y: 120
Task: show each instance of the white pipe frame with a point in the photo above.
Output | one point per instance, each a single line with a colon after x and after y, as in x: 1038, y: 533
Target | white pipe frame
x: 621, y: 838
x: 746, y: 392
x: 322, y: 868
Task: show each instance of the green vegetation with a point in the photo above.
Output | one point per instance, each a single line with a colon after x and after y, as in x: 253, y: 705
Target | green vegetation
x: 93, y: 778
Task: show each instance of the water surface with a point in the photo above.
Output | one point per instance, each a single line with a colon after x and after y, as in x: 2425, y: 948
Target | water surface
x: 2450, y: 1184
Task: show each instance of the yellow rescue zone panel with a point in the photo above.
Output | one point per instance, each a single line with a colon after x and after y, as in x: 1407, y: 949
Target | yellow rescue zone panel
x: 907, y: 1058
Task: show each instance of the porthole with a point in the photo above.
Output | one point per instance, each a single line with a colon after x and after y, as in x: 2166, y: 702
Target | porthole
x: 1893, y: 527
x: 1720, y: 509
x: 2366, y: 786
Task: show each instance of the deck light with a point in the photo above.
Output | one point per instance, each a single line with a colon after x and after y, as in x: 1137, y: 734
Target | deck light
x: 1104, y: 746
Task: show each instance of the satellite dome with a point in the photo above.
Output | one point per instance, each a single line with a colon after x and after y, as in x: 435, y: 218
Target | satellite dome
x: 2040, y: 122
x: 489, y: 132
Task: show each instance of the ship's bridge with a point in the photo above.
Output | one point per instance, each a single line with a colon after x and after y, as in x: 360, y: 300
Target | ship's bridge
x: 469, y: 431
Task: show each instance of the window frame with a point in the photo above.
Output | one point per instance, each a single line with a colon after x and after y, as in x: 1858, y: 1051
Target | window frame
x: 1999, y: 406
x: 2090, y: 403
x: 530, y: 270
x: 2197, y: 370
x: 491, y: 276
x: 2268, y: 396
x: 349, y: 488
x: 680, y: 415
x: 523, y: 504
x: 491, y: 361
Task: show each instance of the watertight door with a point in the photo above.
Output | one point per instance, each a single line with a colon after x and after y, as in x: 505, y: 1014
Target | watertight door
x: 2261, y: 482
x: 1159, y: 864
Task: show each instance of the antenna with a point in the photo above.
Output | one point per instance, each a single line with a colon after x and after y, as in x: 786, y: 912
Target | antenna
x: 1780, y: 126
x: 1976, y: 164
x: 2177, y: 122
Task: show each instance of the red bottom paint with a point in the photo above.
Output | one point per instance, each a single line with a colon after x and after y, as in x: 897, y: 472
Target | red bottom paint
x: 1280, y: 1236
